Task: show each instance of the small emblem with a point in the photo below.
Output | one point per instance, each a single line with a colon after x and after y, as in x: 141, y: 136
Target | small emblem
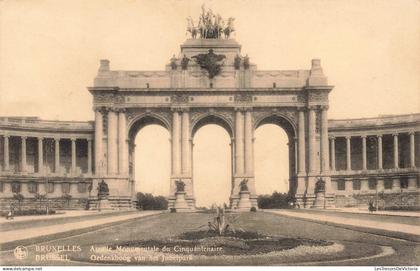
x: 20, y: 252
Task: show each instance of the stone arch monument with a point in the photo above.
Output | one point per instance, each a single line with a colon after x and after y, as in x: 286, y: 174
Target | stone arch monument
x: 217, y: 85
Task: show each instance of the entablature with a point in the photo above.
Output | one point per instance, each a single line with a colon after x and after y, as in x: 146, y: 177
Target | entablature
x: 35, y: 127
x: 227, y: 97
x: 375, y: 126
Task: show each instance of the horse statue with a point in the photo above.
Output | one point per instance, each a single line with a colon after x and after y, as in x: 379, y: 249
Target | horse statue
x: 201, y: 28
x: 229, y: 28
x: 191, y: 28
x: 219, y: 25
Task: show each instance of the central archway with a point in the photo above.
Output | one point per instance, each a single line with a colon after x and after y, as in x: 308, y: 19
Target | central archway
x: 212, y: 160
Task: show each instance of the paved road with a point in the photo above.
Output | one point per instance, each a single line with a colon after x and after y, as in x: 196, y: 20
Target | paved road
x: 397, y: 251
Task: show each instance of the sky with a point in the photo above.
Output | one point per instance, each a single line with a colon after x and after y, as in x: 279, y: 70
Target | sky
x: 50, y: 50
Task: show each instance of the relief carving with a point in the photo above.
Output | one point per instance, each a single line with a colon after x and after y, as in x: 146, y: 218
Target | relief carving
x: 317, y: 97
x: 243, y: 98
x: 108, y: 98
x: 179, y: 98
x: 103, y: 98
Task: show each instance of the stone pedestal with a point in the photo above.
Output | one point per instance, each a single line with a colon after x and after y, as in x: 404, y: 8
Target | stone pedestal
x: 319, y: 201
x: 244, y: 204
x: 181, y: 204
x: 104, y: 204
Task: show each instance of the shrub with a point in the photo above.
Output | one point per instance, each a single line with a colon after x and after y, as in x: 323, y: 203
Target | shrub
x: 275, y: 201
x: 172, y: 210
x: 253, y: 209
x: 30, y: 212
x: 150, y: 202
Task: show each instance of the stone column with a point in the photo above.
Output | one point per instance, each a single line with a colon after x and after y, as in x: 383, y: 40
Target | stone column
x: 301, y: 143
x: 186, y: 145
x: 73, y: 156
x: 23, y: 154
x: 395, y: 150
x: 112, y: 142
x: 89, y: 158
x: 176, y: 151
x: 333, y: 153
x: 239, y: 142
x: 349, y: 185
x: 364, y: 185
x: 348, y: 152
x: 311, y: 140
x: 380, y: 163
x: 364, y: 163
x: 412, y: 183
x: 412, y: 150
x: 57, y: 155
x: 6, y: 153
x: 325, y: 160
x: 380, y: 185
x: 249, y: 144
x: 98, y: 141
x: 122, y: 143
x: 396, y: 184
x: 40, y: 155
x: 295, y: 153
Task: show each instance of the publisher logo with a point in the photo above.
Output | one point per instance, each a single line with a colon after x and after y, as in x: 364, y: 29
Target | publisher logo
x: 21, y: 252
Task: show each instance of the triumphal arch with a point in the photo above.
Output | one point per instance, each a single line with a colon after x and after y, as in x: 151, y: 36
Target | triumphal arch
x: 210, y: 81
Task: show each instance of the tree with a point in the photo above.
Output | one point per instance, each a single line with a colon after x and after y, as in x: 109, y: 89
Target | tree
x: 19, y: 198
x: 67, y: 199
x: 40, y: 197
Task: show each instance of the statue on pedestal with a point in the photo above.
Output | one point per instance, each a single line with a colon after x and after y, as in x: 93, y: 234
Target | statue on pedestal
x: 246, y: 62
x: 243, y: 186
x: 103, y: 190
x: 184, y: 62
x: 320, y: 185
x: 237, y: 62
x: 173, y: 63
x: 180, y: 186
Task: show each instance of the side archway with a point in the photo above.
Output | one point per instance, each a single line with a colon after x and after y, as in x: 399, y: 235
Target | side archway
x: 141, y: 128
x: 288, y: 125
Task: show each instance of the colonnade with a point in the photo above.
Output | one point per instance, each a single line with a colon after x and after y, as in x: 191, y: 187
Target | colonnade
x: 379, y: 154
x: 40, y: 153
